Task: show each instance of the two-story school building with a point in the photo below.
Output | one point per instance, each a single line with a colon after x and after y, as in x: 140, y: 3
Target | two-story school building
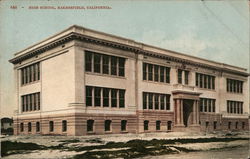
x: 81, y: 82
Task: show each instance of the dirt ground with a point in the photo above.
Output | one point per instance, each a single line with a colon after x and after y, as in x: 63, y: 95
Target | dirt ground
x: 80, y: 145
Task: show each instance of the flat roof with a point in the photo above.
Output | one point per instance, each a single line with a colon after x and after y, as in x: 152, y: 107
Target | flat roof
x: 124, y: 41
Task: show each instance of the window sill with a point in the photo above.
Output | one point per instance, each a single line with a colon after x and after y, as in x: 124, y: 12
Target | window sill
x: 125, y: 131
x: 90, y: 132
x: 105, y: 75
x: 30, y: 83
x: 156, y: 82
x: 108, y: 132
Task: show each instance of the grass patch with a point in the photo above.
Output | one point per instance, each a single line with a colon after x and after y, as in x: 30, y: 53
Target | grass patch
x: 70, y: 141
x: 96, y: 140
x: 9, y: 147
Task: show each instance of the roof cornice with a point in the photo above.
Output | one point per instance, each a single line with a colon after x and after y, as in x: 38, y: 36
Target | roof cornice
x: 138, y: 48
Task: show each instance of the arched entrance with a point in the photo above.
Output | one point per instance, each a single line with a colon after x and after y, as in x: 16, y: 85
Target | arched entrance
x: 187, y: 112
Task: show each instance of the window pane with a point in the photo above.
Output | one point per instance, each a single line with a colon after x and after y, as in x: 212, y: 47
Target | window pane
x: 97, y: 96
x: 180, y: 76
x: 113, y: 98
x: 144, y: 71
x: 106, y: 97
x: 161, y: 74
x: 144, y: 100
x: 167, y: 75
x: 150, y: 101
x: 105, y: 64
x: 121, y: 98
x: 167, y: 102
x: 113, y: 65
x: 150, y: 72
x: 64, y: 125
x: 88, y: 61
x: 121, y: 67
x: 88, y: 96
x: 156, y: 101
x: 162, y: 102
x: 97, y: 63
x: 51, y: 126
x: 156, y: 73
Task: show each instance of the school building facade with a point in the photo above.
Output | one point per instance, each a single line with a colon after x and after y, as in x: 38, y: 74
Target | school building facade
x: 85, y: 82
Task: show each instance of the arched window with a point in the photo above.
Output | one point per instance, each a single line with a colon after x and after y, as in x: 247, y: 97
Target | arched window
x: 158, y: 125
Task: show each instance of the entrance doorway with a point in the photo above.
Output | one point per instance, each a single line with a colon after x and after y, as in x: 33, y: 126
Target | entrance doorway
x: 187, y: 110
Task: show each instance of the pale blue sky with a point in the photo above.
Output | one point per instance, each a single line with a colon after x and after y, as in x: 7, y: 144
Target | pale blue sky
x: 215, y: 30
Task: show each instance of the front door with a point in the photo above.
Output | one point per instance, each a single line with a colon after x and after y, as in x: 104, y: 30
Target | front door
x: 187, y: 110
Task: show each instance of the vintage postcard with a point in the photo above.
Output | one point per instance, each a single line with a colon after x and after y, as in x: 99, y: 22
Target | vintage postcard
x: 124, y: 79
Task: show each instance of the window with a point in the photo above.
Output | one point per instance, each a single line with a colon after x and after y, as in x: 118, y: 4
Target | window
x: 29, y: 127
x: 180, y: 76
x: 186, y: 77
x: 64, y: 125
x: 150, y: 101
x: 90, y: 125
x: 107, y: 125
x: 123, y: 125
x: 97, y: 63
x: 168, y: 102
x: 229, y: 125
x: 156, y: 73
x: 157, y: 101
x: 144, y: 100
x: 169, y: 126
x: 88, y: 96
x: 97, y: 96
x: 162, y: 74
x: 113, y: 65
x: 215, y: 125
x: 167, y: 75
x: 37, y: 126
x: 150, y: 72
x: 236, y: 125
x: 30, y: 102
x: 121, y: 67
x: 21, y: 127
x: 235, y: 107
x: 207, y: 124
x: 146, y: 125
x: 51, y: 126
x: 121, y: 98
x: 234, y: 86
x: 105, y: 64
x: 162, y: 101
x: 158, y: 125
x: 106, y: 97
x: 207, y: 105
x: 243, y: 125
x: 30, y: 74
x: 113, y: 98
x: 144, y: 68
x: 205, y: 81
